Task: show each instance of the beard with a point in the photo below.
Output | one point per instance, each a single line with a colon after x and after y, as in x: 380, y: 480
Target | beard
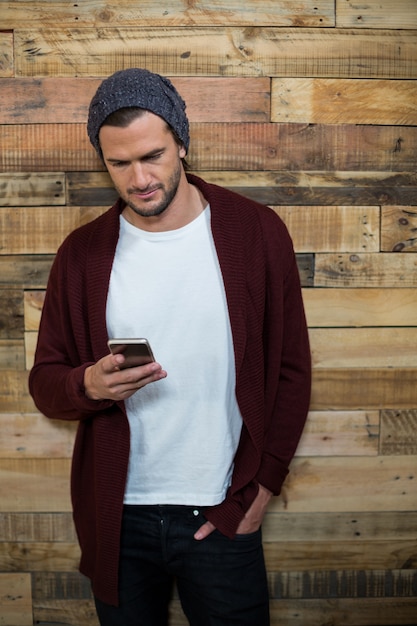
x: 169, y: 191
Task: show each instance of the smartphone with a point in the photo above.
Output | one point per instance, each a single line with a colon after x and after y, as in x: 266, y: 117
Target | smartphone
x: 136, y: 351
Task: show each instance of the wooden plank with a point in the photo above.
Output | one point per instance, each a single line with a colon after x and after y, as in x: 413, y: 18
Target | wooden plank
x: 332, y: 229
x: 24, y: 271
x: 275, y: 188
x: 360, y: 307
x: 340, y: 433
x: 346, y: 527
x: 6, y: 54
x: 15, y: 599
x: 335, y: 555
x: 365, y: 270
x: 32, y: 435
x: 363, y: 389
x: 99, y: 13
x: 356, y: 484
x: 398, y: 229
x: 342, y: 583
x: 376, y: 14
x: 31, y: 339
x: 37, y: 527
x: 270, y: 147
x: 34, y: 485
x: 60, y: 586
x: 33, y: 303
x: 37, y: 557
x: 12, y: 354
x: 344, y: 101
x: 64, y: 100
x: 363, y: 347
x: 344, y: 612
x: 11, y: 314
x: 217, y: 51
x: 14, y: 393
x: 25, y: 189
x: 35, y: 230
x: 398, y: 432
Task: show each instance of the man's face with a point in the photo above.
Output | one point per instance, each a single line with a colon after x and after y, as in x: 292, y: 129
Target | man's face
x: 144, y: 162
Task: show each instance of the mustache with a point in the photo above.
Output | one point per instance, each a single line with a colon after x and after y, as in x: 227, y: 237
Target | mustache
x: 147, y: 189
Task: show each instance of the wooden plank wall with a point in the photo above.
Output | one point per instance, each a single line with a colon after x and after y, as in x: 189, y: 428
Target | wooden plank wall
x: 310, y: 107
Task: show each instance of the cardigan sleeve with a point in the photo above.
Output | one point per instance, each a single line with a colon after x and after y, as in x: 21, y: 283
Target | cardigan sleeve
x: 56, y: 381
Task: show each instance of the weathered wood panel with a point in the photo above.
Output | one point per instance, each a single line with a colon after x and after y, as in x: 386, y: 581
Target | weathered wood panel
x: 220, y: 51
x: 275, y: 188
x: 11, y: 314
x: 15, y: 600
x: 365, y: 270
x: 26, y: 189
x: 100, y: 13
x: 398, y: 432
x: 398, y: 229
x: 6, y: 55
x: 332, y: 229
x: 34, y: 436
x: 344, y: 101
x: 24, y: 271
x: 12, y: 355
x: 33, y: 303
x: 37, y: 527
x: 360, y: 307
x: 35, y: 230
x: 340, y: 433
x: 376, y: 14
x: 34, y: 557
x: 48, y: 147
x: 65, y: 100
x: 363, y: 389
x: 364, y: 347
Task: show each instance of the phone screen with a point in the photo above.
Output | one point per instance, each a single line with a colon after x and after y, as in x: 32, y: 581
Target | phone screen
x: 136, y: 351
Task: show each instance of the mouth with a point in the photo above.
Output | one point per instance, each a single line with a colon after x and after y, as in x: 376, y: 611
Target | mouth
x: 143, y: 194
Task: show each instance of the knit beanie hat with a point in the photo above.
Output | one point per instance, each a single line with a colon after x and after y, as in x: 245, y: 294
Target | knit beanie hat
x: 136, y: 87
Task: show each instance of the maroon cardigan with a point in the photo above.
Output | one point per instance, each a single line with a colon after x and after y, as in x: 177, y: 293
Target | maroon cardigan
x: 272, y: 368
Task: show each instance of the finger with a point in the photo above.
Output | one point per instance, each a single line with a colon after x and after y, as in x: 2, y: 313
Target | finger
x: 204, y: 531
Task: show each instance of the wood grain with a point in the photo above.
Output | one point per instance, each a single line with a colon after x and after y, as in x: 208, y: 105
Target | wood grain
x: 99, y: 13
x: 32, y: 189
x: 15, y: 599
x: 269, y: 147
x: 398, y: 229
x: 365, y: 270
x: 217, y: 51
x: 6, y: 54
x: 376, y: 14
x: 344, y: 101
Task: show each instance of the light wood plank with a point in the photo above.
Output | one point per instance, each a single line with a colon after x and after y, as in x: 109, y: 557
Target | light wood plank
x: 46, y: 147
x: 363, y: 388
x: 398, y: 228
x: 37, y: 527
x: 35, y: 485
x: 398, y: 432
x: 366, y: 270
x: 332, y: 229
x: 32, y: 435
x: 6, y: 54
x: 344, y: 101
x: 31, y: 189
x: 63, y: 100
x: 14, y: 393
x: 363, y: 347
x: 35, y: 557
x: 15, y: 599
x: 217, y: 51
x: 340, y: 433
x: 349, y: 484
x: 360, y: 307
x: 32, y: 304
x: 376, y: 14
x: 100, y: 13
x: 35, y: 230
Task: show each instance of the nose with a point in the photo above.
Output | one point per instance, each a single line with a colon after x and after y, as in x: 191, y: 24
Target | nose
x: 140, y: 178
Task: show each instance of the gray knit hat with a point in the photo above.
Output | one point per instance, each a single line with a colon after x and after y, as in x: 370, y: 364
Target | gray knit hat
x: 137, y: 88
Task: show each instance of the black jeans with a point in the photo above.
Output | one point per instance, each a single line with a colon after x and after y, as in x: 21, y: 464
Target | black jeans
x: 220, y: 581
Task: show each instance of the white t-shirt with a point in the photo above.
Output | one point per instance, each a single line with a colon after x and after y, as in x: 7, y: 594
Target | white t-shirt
x: 184, y: 429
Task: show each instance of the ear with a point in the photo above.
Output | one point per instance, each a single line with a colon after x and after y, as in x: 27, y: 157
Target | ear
x: 182, y: 152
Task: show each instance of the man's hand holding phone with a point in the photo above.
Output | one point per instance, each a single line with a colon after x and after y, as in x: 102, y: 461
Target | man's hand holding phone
x: 117, y: 376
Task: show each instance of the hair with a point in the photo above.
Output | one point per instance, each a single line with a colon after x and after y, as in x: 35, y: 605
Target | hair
x: 125, y: 116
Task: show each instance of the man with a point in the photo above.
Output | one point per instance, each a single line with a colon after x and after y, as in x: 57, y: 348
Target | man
x: 175, y: 461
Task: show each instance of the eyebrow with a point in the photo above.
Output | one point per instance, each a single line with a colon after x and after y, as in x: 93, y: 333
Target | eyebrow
x: 142, y: 158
